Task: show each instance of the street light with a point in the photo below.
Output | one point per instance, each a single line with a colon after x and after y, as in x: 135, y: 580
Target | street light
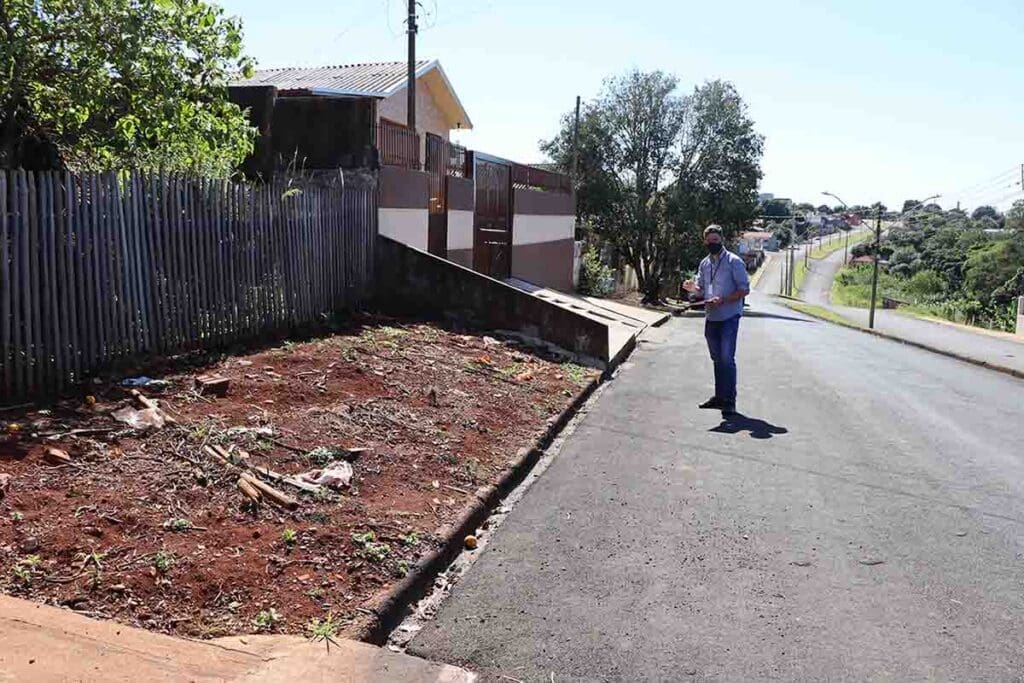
x: 846, y: 249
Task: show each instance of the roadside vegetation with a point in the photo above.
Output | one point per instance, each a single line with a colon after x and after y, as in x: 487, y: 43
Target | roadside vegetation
x: 947, y: 264
x: 838, y: 243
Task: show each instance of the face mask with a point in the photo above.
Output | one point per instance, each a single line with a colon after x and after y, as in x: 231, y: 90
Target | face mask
x: 714, y: 248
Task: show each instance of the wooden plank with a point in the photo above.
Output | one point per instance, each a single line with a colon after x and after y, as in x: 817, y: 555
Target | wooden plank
x: 197, y: 244
x: 102, y: 298
x: 96, y: 304
x: 220, y: 260
x: 176, y: 309
x: 150, y: 232
x: 6, y: 294
x: 141, y: 256
x: 188, y: 252
x: 84, y: 340
x: 55, y: 359
x: 71, y: 283
x: 252, y: 326
x: 127, y: 266
x: 204, y: 275
x: 19, y: 264
x: 173, y: 226
x: 36, y: 347
x: 60, y: 281
x: 209, y: 264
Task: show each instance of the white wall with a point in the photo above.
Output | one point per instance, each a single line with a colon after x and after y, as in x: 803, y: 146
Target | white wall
x: 529, y: 229
x: 408, y: 226
x: 460, y: 230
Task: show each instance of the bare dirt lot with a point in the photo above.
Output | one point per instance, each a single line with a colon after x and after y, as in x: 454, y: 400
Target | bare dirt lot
x: 151, y: 527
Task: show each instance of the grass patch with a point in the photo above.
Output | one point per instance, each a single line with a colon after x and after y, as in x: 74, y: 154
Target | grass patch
x: 799, y: 275
x: 825, y: 249
x: 820, y: 312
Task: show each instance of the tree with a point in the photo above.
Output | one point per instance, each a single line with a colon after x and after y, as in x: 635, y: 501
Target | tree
x: 775, y: 208
x: 655, y: 166
x: 1015, y: 216
x: 824, y: 209
x: 878, y: 206
x: 983, y: 211
x: 910, y: 205
x: 98, y: 84
x: 991, y: 266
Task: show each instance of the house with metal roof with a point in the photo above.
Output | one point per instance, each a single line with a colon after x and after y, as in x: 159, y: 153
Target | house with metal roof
x: 342, y: 116
x: 438, y: 108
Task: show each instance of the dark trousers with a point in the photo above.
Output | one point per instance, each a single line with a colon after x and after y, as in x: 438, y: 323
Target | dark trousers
x: 721, y: 336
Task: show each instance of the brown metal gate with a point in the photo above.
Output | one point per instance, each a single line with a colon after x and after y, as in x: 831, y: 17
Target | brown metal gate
x: 492, y: 221
x: 437, y: 174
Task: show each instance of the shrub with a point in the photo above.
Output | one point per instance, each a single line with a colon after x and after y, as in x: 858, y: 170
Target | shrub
x: 596, y: 279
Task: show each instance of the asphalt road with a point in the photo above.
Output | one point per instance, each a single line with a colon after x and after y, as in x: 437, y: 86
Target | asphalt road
x: 864, y: 521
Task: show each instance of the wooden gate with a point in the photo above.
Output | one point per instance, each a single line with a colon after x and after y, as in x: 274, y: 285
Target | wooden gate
x: 437, y: 215
x: 492, y: 221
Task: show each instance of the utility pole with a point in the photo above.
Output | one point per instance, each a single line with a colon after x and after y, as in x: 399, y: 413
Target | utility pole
x: 411, y: 29
x: 792, y: 255
x: 874, y: 276
x: 576, y: 141
x: 782, y: 273
x: 576, y: 161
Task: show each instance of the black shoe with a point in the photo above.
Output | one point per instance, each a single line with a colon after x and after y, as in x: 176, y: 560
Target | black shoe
x: 711, y: 404
x: 729, y: 410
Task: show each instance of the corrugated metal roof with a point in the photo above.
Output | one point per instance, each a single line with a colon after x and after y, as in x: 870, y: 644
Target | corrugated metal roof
x: 380, y: 79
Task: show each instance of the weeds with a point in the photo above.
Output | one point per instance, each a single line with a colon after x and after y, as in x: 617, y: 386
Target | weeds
x: 364, y: 539
x: 323, y: 630
x: 267, y: 620
x: 377, y: 552
x: 577, y: 373
x: 177, y: 524
x: 26, y: 568
x: 373, y: 551
x: 411, y: 539
x: 94, y: 558
x: 289, y: 536
x: 17, y: 516
x: 163, y: 561
x: 324, y: 456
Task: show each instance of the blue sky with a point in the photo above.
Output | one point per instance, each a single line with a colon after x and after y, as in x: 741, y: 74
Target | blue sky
x: 870, y: 99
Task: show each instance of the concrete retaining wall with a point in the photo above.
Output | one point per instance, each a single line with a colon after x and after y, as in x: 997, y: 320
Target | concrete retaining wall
x: 413, y: 281
x: 543, y: 238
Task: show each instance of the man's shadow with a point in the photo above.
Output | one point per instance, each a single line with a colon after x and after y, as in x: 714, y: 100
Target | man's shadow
x: 759, y: 429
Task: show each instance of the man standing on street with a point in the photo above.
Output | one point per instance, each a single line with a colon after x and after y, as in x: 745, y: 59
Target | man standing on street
x: 722, y: 283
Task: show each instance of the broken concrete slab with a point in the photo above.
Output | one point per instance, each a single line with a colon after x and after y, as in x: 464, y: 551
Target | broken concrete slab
x: 42, y: 643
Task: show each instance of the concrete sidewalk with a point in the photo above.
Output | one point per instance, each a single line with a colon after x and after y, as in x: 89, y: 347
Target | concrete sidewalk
x: 42, y: 643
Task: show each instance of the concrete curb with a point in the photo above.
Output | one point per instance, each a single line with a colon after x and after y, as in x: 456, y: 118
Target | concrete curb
x: 1013, y: 372
x: 390, y: 608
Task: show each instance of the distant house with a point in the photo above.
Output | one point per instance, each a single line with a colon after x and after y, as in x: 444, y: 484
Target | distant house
x: 862, y: 260
x: 757, y: 241
x: 337, y: 116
